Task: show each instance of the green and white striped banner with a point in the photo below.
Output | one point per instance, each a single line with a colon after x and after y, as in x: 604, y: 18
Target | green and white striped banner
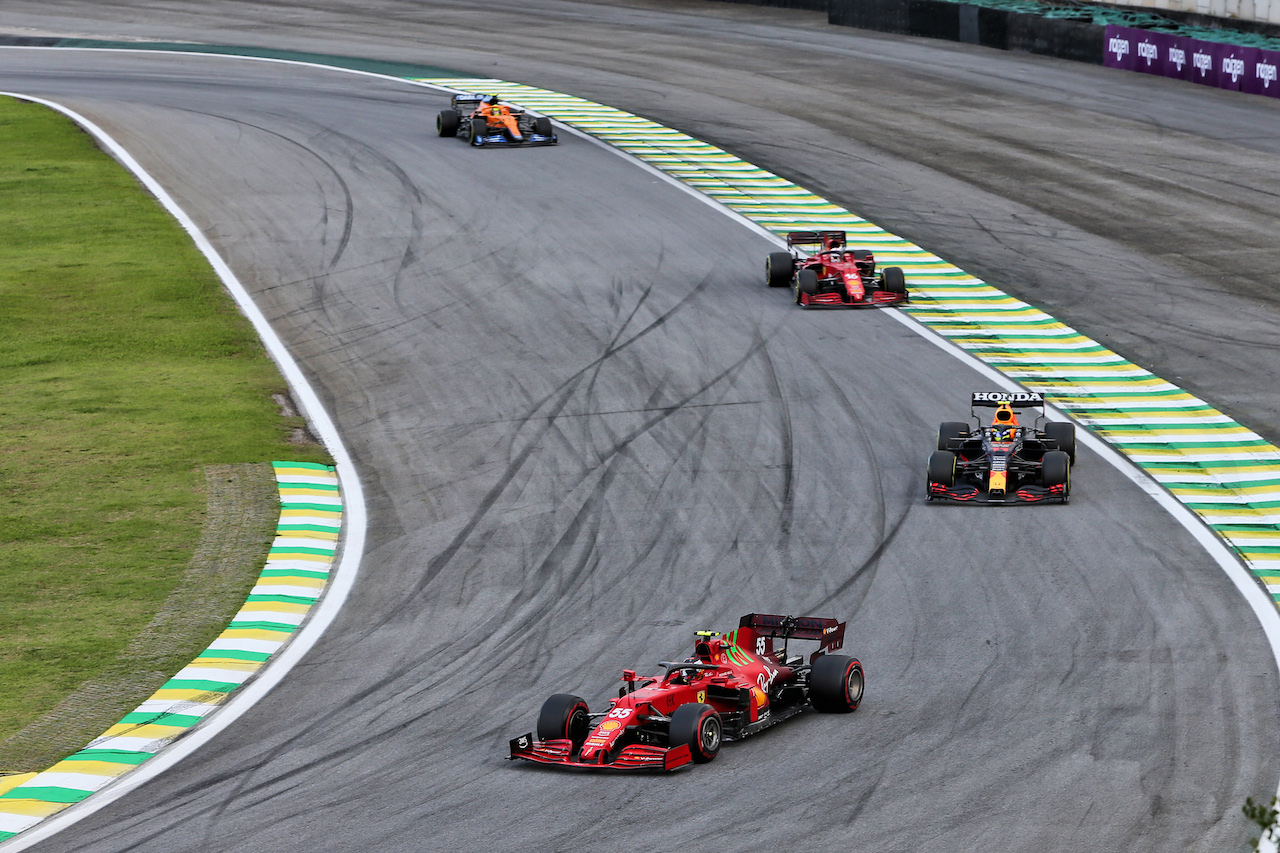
x: 295, y: 575
x: 1225, y: 473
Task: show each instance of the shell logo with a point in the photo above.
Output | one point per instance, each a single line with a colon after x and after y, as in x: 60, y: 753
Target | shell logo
x: 609, y: 725
x: 702, y: 695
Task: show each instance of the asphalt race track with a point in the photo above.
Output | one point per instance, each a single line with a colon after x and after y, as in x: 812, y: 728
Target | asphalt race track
x: 587, y: 429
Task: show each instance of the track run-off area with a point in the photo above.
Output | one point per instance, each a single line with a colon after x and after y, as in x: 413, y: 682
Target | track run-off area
x: 587, y: 429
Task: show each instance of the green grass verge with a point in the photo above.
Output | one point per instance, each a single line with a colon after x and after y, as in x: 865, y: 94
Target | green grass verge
x: 125, y: 369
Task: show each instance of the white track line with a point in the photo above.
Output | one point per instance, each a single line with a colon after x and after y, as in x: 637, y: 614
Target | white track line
x: 355, y: 522
x: 1263, y: 608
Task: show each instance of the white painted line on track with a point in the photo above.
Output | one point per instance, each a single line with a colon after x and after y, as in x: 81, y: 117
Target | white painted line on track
x: 1263, y: 607
x: 341, y: 579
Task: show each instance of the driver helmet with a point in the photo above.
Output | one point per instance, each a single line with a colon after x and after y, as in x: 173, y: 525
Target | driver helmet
x: 1005, y: 423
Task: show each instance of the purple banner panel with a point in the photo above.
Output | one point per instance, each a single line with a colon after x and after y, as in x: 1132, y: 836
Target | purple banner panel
x: 1151, y: 50
x: 1176, y: 59
x: 1232, y: 62
x: 1204, y: 61
x: 1262, y: 78
x: 1121, y: 49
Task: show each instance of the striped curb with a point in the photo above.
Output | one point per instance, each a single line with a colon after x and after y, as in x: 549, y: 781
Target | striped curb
x: 1226, y: 474
x: 294, y: 577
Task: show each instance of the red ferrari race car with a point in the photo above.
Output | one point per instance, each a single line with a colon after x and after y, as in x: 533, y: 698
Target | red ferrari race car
x: 487, y: 121
x: 835, y: 275
x: 734, y: 686
x: 1004, y: 462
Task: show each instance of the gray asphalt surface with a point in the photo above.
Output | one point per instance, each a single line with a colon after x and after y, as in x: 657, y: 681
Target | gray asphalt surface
x: 587, y: 430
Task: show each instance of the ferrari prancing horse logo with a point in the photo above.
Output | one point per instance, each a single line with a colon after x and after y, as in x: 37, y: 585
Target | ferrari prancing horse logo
x: 702, y: 695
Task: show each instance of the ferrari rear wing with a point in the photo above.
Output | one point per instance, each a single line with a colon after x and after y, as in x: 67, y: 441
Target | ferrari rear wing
x: 829, y: 633
x: 806, y: 238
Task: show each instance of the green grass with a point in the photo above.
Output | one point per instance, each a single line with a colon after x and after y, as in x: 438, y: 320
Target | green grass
x: 125, y: 368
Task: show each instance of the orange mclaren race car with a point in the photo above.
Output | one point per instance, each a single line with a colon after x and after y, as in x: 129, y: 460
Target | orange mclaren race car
x: 834, y: 275
x: 734, y: 685
x: 1004, y: 462
x: 486, y: 120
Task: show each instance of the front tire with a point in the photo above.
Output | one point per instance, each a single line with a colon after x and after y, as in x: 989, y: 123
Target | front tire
x: 836, y: 684
x: 542, y: 126
x: 476, y: 130
x: 564, y: 716
x: 807, y: 281
x: 699, y: 727
x: 1056, y: 470
x: 942, y: 468
x: 447, y: 122
x: 893, y: 280
x: 778, y: 269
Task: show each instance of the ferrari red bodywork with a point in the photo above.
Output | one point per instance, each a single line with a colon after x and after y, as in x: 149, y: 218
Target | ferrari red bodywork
x: 735, y: 685
x: 824, y: 272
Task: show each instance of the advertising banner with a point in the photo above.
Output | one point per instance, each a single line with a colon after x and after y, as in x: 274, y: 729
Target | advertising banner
x: 1151, y: 50
x: 1210, y: 63
x: 1232, y: 62
x: 1262, y: 78
x: 1204, y: 62
x: 1121, y: 51
x: 1176, y: 59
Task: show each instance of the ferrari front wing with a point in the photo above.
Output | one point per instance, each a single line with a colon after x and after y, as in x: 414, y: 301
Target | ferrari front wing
x: 560, y: 752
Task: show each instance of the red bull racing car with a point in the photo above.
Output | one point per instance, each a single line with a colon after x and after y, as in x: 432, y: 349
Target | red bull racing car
x: 485, y: 120
x: 735, y: 685
x: 1004, y: 462
x: 834, y: 275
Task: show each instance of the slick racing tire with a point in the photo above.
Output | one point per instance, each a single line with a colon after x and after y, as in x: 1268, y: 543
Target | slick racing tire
x: 1064, y: 435
x: 476, y: 131
x: 807, y: 282
x: 778, y: 269
x: 1056, y: 470
x: 942, y: 468
x: 836, y: 684
x: 699, y: 727
x: 542, y: 126
x: 894, y: 281
x: 447, y: 122
x: 948, y: 430
x: 564, y: 716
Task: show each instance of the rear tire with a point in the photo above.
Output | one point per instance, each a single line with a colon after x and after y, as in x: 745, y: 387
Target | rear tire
x: 836, y: 684
x: 1056, y: 470
x: 1064, y: 435
x: 476, y: 131
x: 447, y: 122
x: 564, y: 716
x: 942, y: 468
x: 699, y: 727
x: 893, y: 280
x: 948, y: 430
x: 778, y: 269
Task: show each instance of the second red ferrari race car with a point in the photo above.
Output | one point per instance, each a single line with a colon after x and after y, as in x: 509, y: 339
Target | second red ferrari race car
x: 735, y: 685
x: 834, y: 275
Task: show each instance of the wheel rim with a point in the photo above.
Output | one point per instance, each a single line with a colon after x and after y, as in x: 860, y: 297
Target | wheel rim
x: 853, y: 686
x: 710, y: 735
